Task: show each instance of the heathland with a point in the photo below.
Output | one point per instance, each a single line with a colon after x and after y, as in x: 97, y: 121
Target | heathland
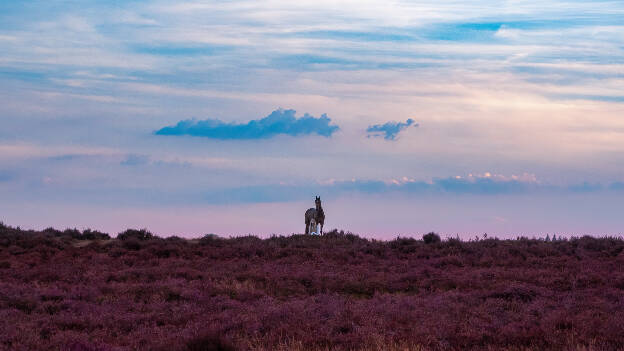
x: 82, y: 290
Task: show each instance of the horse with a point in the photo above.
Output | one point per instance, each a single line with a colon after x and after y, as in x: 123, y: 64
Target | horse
x: 315, y: 214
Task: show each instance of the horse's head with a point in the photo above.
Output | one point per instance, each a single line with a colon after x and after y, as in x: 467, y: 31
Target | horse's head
x: 317, y: 201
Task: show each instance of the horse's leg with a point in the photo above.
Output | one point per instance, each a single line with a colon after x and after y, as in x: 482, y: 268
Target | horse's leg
x: 307, y: 227
x: 321, y: 228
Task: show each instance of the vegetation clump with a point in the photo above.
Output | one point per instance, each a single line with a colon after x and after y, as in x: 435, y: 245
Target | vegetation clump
x: 64, y: 290
x: 431, y: 238
x: 135, y: 234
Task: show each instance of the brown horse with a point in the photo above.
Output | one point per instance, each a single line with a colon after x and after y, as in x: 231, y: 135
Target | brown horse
x: 315, y: 214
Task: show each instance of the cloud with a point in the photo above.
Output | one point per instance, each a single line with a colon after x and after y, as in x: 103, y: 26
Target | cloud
x: 5, y: 176
x: 278, y: 122
x: 478, y: 184
x: 389, y: 130
x: 135, y: 160
x: 354, y: 35
x: 618, y: 186
x: 182, y: 51
x: 485, y: 184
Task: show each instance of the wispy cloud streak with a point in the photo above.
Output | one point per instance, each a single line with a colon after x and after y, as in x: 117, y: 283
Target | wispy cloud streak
x: 486, y: 184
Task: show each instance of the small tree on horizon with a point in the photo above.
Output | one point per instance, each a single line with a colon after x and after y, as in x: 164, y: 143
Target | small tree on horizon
x: 431, y: 238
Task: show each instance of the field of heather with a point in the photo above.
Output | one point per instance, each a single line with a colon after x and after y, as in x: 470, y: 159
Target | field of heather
x: 77, y: 290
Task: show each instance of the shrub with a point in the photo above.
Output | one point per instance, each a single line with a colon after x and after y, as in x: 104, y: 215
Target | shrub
x: 167, y: 251
x: 404, y: 245
x: 175, y: 239
x: 52, y: 231
x: 142, y: 234
x: 132, y: 244
x: 431, y: 238
x: 89, y: 234
x: 514, y: 292
x: 72, y: 233
x: 24, y: 304
x: 209, y: 342
x: 454, y: 242
x: 211, y: 239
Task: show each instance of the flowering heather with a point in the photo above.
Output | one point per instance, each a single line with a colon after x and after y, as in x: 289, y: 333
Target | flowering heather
x: 77, y: 290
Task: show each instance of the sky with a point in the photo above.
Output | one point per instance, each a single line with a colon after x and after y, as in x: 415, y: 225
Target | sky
x: 229, y: 117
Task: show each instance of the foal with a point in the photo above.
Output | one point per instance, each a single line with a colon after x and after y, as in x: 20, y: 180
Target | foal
x: 315, y: 214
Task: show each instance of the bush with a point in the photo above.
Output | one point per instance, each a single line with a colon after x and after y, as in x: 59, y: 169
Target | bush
x: 404, y: 245
x: 89, y: 234
x: 72, y: 233
x: 431, y: 238
x: 175, y: 239
x: 142, y: 234
x: 211, y: 239
x: 52, y: 231
x: 209, y: 342
x: 132, y: 244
